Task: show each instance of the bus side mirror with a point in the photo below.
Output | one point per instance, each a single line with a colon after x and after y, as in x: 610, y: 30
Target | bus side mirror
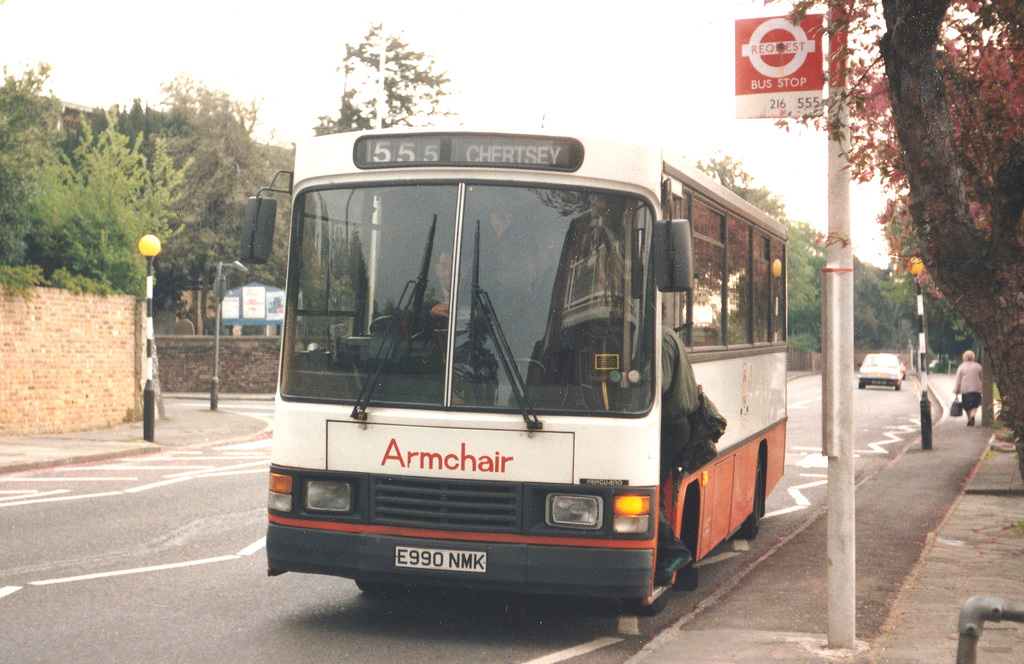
x: 672, y: 255
x: 258, y: 229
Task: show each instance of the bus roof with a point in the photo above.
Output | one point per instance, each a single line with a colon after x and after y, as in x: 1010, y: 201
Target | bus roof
x: 701, y: 183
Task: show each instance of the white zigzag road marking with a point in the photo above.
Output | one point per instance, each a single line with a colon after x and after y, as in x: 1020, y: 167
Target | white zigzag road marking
x: 890, y: 438
x: 798, y: 497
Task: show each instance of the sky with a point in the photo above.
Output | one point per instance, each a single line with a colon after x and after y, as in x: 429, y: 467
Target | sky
x: 654, y: 72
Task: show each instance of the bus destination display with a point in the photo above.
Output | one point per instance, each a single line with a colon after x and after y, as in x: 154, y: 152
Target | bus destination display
x: 496, y: 150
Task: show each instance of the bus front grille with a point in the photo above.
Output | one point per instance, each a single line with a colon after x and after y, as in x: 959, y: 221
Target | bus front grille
x: 445, y: 504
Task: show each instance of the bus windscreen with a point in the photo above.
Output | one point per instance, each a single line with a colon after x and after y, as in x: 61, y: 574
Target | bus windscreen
x: 525, y: 301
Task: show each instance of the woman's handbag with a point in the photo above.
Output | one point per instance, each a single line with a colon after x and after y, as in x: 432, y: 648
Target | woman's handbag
x: 957, y: 409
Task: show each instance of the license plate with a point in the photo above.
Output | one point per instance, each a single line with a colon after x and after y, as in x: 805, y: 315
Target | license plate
x: 441, y: 559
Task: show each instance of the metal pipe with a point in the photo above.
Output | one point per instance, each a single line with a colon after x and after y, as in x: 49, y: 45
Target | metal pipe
x: 973, y: 615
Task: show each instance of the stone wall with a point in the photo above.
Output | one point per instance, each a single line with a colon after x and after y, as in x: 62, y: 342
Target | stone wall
x: 68, y: 362
x: 248, y: 365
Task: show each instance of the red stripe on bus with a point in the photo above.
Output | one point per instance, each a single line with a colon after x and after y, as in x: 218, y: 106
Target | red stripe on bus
x: 461, y: 536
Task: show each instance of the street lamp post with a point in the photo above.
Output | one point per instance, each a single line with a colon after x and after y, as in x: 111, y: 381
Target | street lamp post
x: 218, y: 293
x: 926, y: 406
x: 149, y: 246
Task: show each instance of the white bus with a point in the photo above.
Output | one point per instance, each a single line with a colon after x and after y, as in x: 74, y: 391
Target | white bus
x: 470, y: 372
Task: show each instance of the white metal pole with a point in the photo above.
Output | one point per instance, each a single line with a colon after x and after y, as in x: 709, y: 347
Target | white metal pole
x: 838, y: 385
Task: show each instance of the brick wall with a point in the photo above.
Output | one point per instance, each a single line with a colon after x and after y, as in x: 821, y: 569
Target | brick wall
x: 248, y: 365
x: 68, y: 362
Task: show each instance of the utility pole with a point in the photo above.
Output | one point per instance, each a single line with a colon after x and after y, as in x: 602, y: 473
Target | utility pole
x: 837, y: 381
x: 382, y: 93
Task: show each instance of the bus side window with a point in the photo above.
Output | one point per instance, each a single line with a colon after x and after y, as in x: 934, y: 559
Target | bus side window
x: 708, y: 272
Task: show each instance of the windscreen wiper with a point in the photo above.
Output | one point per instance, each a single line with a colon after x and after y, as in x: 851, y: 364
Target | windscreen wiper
x: 482, y: 302
x: 391, y: 335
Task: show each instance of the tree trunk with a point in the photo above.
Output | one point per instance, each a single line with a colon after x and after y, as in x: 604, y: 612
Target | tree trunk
x: 980, y: 270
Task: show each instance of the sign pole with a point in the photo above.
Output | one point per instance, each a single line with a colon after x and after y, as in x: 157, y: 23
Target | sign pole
x: 838, y: 339
x: 218, y: 294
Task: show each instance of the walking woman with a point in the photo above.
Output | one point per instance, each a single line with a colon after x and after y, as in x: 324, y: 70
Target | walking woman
x: 968, y: 384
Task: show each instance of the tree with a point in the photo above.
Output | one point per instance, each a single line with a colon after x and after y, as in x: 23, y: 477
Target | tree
x: 413, y: 90
x: 210, y: 136
x: 88, y: 212
x: 28, y: 135
x: 952, y: 93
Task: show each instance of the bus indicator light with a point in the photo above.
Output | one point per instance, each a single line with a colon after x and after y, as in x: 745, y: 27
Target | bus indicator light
x: 632, y: 505
x: 280, y: 483
x: 280, y: 498
x: 632, y: 514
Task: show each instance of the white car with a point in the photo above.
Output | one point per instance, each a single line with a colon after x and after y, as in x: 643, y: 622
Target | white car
x: 880, y: 369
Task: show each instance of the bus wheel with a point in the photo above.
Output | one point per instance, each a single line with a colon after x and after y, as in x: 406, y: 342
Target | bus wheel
x: 687, y: 578
x: 752, y: 525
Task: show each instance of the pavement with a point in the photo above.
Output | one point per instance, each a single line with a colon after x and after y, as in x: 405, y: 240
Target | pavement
x: 978, y: 549
x: 179, y: 425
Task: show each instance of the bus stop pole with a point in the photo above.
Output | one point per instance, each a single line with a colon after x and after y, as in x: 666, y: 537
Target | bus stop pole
x: 837, y: 385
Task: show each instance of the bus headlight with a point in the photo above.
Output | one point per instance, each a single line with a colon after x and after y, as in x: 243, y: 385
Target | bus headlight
x: 574, y: 511
x: 280, y: 498
x: 329, y: 496
x: 632, y: 514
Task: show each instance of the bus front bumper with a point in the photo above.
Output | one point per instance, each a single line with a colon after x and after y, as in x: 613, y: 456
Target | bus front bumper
x: 525, y: 568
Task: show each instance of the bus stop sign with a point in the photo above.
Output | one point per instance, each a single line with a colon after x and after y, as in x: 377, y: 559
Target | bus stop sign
x: 779, y: 71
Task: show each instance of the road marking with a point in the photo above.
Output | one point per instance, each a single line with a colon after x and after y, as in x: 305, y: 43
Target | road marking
x: 576, y: 651
x: 784, y: 510
x: 237, y: 456
x: 629, y: 625
x: 69, y: 479
x: 252, y: 445
x: 254, y: 471
x: 81, y: 469
x: 221, y: 469
x: 890, y: 438
x: 9, y: 590
x: 137, y: 570
x: 19, y: 495
x: 254, y: 547
x: 156, y: 485
x: 798, y: 497
x: 60, y: 498
x: 174, y: 478
x: 813, y: 461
